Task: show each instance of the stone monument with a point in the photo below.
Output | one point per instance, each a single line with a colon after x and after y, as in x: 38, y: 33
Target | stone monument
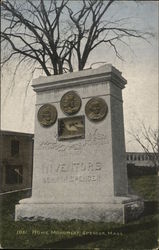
x: 79, y: 169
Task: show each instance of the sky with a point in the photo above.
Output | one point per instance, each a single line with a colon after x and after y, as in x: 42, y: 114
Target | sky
x: 139, y: 68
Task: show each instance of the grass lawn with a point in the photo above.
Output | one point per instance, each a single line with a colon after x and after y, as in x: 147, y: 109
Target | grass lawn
x: 140, y: 234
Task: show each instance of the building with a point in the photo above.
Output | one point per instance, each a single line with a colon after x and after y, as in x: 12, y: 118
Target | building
x: 16, y: 160
x: 140, y: 163
x: 140, y: 159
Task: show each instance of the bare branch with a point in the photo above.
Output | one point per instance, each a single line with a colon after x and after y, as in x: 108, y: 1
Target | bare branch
x: 148, y: 139
x: 53, y: 32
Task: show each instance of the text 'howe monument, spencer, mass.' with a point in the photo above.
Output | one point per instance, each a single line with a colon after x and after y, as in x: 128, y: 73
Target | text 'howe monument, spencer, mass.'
x: 79, y: 169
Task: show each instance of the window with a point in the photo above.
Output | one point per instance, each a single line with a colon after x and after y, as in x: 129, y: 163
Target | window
x: 13, y: 174
x: 151, y: 157
x: 14, y: 148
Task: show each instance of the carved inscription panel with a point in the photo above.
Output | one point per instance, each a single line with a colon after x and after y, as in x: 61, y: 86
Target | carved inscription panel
x: 94, y: 139
x: 76, y: 172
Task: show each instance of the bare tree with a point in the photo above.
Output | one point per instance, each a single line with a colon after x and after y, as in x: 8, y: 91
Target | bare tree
x: 148, y: 139
x: 53, y: 34
x: 31, y: 34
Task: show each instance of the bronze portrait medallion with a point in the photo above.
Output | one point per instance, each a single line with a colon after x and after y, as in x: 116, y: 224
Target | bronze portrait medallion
x: 47, y: 115
x: 70, y: 103
x: 96, y: 109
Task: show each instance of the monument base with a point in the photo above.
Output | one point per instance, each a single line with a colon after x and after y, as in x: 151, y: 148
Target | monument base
x: 119, y: 210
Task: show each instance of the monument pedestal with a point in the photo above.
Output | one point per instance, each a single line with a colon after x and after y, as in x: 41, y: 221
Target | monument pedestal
x: 79, y: 169
x: 120, y: 210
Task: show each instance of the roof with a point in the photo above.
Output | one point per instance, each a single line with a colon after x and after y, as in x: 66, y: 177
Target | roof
x: 15, y: 133
x: 139, y: 153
